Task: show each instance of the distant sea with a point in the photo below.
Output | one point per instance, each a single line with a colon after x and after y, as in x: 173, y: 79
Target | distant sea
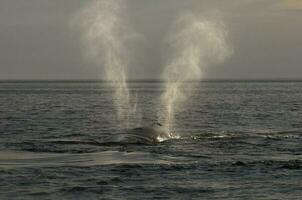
x: 239, y: 140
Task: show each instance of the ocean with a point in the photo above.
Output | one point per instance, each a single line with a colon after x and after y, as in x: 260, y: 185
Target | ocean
x: 238, y: 140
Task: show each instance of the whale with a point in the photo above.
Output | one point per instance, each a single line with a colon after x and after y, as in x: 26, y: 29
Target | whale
x: 149, y: 135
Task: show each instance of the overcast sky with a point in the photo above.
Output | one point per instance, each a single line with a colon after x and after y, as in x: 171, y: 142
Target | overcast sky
x: 37, y: 40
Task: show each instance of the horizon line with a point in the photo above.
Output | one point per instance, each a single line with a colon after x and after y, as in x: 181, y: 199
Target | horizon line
x: 159, y: 80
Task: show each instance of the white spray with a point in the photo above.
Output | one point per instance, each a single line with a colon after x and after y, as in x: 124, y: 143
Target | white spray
x: 107, y: 32
x: 195, y: 42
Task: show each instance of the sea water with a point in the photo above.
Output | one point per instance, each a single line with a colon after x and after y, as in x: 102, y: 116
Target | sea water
x: 238, y: 140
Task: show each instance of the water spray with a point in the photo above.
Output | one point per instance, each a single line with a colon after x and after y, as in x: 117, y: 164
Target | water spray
x: 195, y: 42
x: 106, y: 33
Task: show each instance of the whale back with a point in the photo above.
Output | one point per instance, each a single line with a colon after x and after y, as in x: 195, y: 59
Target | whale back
x: 141, y: 135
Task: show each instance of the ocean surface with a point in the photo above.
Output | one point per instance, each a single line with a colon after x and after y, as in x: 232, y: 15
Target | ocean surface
x: 239, y: 140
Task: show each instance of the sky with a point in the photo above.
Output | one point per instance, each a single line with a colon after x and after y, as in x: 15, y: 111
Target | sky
x: 39, y: 41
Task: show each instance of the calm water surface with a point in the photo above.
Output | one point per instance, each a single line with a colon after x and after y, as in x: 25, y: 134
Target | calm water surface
x: 239, y: 140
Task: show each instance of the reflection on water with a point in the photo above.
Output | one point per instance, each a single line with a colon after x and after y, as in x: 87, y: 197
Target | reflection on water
x: 13, y: 159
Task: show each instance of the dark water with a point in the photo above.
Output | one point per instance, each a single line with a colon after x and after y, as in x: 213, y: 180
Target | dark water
x: 240, y: 140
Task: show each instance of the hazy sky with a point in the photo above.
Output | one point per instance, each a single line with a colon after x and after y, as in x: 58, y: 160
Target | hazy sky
x: 37, y: 40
